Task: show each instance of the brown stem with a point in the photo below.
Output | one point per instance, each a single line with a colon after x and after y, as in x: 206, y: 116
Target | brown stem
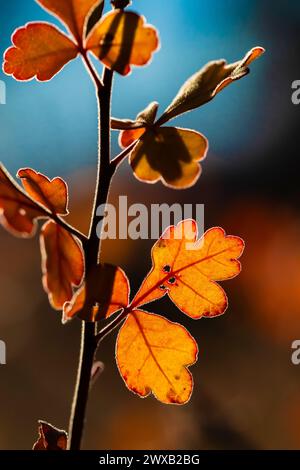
x: 92, y: 249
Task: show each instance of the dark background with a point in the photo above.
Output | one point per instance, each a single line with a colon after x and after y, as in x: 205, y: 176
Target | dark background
x: 247, y: 392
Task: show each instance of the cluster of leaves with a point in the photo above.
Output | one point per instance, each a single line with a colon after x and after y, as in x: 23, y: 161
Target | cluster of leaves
x: 153, y: 354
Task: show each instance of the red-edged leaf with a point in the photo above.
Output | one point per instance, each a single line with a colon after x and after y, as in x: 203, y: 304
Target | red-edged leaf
x: 39, y: 50
x: 186, y: 269
x: 62, y: 263
x: 169, y: 154
x: 122, y: 39
x: 73, y: 13
x: 18, y: 212
x: 153, y: 355
x: 53, y: 194
x: 105, y: 291
x: 50, y: 438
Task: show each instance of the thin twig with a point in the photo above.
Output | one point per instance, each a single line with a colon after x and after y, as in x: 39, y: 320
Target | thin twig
x: 119, y: 158
x: 92, y: 248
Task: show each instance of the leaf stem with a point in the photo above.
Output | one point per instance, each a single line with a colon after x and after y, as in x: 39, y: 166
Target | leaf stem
x: 92, y: 249
x: 119, y: 158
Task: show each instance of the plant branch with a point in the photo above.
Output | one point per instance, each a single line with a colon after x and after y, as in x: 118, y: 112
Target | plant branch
x: 92, y: 248
x: 119, y: 158
x: 91, y: 69
x: 83, y: 238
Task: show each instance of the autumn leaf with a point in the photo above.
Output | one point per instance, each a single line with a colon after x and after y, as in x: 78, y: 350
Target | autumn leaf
x: 73, y: 13
x: 62, y: 263
x: 153, y: 354
x: 169, y: 154
x: 186, y: 269
x: 18, y: 212
x: 133, y: 130
x: 50, y: 438
x: 205, y: 84
x: 122, y: 39
x: 39, y: 50
x: 53, y: 194
x: 105, y: 291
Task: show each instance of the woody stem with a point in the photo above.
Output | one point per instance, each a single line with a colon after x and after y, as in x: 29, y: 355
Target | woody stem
x: 92, y: 256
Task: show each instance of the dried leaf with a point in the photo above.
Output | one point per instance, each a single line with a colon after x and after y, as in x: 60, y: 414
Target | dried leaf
x: 105, y: 291
x: 73, y: 13
x: 205, y: 84
x: 153, y: 355
x: 18, y: 212
x: 39, y: 50
x: 169, y: 154
x: 62, y: 263
x: 122, y: 39
x: 50, y: 438
x: 186, y: 269
x: 53, y: 194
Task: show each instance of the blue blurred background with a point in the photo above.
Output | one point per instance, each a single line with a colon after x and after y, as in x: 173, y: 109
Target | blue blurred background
x: 246, y: 389
x: 52, y: 126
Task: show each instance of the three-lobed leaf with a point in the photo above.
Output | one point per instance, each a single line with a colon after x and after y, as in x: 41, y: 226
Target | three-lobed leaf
x: 187, y: 268
x: 39, y: 50
x: 169, y: 154
x: 122, y: 39
x: 153, y: 354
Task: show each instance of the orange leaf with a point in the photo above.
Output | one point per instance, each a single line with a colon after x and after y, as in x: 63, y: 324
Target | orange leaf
x: 169, y: 154
x: 53, y: 194
x: 127, y: 137
x: 73, y: 13
x: 105, y: 291
x: 39, y: 50
x: 144, y: 120
x: 50, y: 438
x: 18, y: 212
x: 122, y: 39
x: 186, y: 269
x: 153, y: 354
x: 62, y: 263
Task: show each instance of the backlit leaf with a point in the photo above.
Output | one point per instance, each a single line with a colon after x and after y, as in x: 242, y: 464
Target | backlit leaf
x: 50, y: 438
x: 73, y: 13
x: 186, y: 269
x: 135, y: 129
x: 153, y: 355
x: 105, y: 291
x: 62, y: 263
x: 122, y: 39
x: 53, y: 194
x: 39, y: 50
x: 205, y: 84
x: 127, y: 137
x: 18, y: 212
x: 169, y: 154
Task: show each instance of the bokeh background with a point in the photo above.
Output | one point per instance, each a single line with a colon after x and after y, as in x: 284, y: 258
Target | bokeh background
x: 247, y: 392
